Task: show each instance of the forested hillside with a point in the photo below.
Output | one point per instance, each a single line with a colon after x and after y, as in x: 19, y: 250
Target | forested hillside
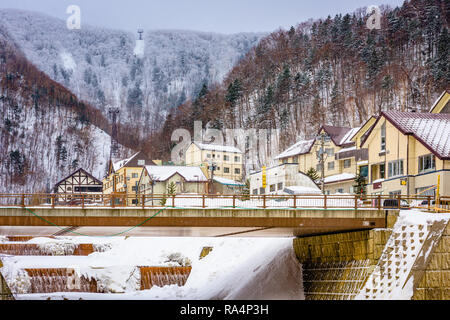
x: 112, y: 68
x: 331, y: 71
x: 45, y: 131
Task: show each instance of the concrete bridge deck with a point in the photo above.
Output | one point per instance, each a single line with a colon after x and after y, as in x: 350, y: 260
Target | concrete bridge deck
x: 301, y: 221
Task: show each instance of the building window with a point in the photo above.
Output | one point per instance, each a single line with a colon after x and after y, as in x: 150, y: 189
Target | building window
x: 226, y: 158
x: 382, y: 171
x: 208, y: 155
x: 331, y: 165
x: 134, y: 188
x: 226, y: 170
x: 237, y: 171
x: 383, y: 137
x: 295, y: 159
x: 319, y: 168
x: 364, y: 171
x: 141, y: 162
x: 262, y: 190
x: 255, y: 191
x: 134, y: 201
x: 280, y: 185
x: 285, y: 161
x: 217, y: 168
x: 427, y: 163
x: 134, y: 175
x: 395, y: 168
x: 237, y: 159
x: 329, y: 152
x: 272, y: 188
x: 347, y: 163
x: 340, y: 190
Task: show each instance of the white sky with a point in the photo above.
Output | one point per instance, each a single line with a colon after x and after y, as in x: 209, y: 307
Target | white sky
x: 224, y: 16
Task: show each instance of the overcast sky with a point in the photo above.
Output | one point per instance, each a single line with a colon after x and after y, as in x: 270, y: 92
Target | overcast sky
x: 223, y: 16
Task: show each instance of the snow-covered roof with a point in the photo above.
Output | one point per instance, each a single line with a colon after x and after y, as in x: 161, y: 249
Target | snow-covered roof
x: 432, y: 130
x: 301, y: 147
x: 340, y: 177
x: 226, y: 181
x: 119, y: 164
x: 349, y: 135
x: 302, y: 190
x: 217, y: 147
x: 162, y: 173
x: 346, y: 149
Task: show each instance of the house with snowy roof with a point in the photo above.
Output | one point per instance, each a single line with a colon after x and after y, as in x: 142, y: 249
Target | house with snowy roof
x: 154, y: 180
x: 216, y: 160
x: 340, y: 157
x: 407, y: 153
x: 123, y: 176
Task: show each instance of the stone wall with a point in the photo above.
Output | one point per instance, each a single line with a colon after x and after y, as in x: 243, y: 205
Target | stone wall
x: 336, y: 266
x: 435, y: 281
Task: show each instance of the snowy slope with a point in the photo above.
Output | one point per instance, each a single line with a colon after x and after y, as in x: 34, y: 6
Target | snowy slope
x: 112, y: 68
x: 42, y: 139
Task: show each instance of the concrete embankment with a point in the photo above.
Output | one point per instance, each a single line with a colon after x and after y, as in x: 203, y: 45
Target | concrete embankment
x: 410, y: 259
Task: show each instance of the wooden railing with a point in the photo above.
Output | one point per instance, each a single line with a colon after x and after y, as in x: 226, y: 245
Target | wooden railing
x: 121, y: 200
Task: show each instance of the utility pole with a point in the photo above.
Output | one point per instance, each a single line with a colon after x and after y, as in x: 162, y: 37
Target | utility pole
x: 322, y: 137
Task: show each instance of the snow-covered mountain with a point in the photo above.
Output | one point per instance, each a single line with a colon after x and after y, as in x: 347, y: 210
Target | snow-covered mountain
x: 144, y: 78
x: 44, y: 131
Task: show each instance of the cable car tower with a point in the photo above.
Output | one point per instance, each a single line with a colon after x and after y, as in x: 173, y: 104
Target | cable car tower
x: 114, y: 112
x: 140, y: 31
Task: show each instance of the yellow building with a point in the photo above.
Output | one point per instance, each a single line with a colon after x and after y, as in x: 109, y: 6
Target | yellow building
x: 227, y: 160
x: 123, y: 177
x: 340, y: 157
x: 407, y: 152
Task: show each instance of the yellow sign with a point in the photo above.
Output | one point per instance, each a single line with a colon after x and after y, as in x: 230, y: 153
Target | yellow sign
x: 264, y: 177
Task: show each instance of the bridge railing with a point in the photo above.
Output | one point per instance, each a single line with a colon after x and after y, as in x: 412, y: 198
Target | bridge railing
x: 121, y: 200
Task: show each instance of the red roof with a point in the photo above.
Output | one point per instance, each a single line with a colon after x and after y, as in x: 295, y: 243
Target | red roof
x: 430, y: 129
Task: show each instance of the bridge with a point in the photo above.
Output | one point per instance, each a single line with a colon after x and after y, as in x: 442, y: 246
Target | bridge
x: 302, y: 214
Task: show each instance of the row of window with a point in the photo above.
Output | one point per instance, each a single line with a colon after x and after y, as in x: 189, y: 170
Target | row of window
x: 120, y: 179
x: 330, y: 165
x: 272, y: 188
x: 225, y: 157
x: 396, y: 167
x: 227, y: 170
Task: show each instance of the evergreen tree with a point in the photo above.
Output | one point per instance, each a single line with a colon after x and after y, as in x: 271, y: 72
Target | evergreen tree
x: 312, y: 173
x: 171, y: 188
x: 336, y: 106
x: 360, y: 185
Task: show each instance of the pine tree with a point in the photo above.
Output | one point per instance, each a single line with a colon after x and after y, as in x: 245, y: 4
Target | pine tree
x: 360, y: 185
x: 312, y: 173
x: 171, y: 188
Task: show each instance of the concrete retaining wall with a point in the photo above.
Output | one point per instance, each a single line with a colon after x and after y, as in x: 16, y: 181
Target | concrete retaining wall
x: 5, y: 293
x: 435, y: 282
x: 336, y: 266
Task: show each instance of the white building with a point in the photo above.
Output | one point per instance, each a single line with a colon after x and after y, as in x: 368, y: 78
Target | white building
x: 283, y: 179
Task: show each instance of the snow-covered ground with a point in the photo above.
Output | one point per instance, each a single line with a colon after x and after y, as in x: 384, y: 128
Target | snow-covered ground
x: 236, y: 268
